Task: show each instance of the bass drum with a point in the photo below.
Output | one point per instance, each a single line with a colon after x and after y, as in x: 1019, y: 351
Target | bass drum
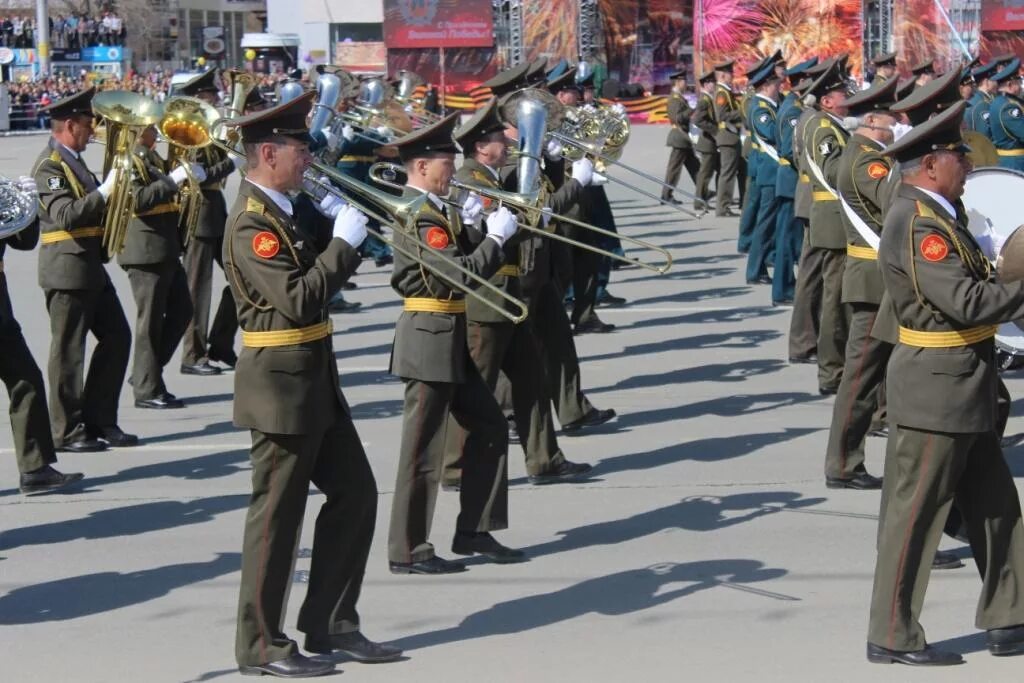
x: 993, y: 215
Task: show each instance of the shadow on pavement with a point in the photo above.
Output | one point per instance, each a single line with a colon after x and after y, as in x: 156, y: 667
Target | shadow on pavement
x: 724, y: 315
x: 714, y: 372
x: 80, y: 596
x: 617, y: 594
x: 210, y: 466
x: 211, y: 429
x: 690, y: 297
x: 375, y: 410
x: 741, y: 339
x: 728, y: 406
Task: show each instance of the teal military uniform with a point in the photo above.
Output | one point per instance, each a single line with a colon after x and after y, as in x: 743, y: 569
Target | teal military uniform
x: 1006, y: 120
x: 763, y: 120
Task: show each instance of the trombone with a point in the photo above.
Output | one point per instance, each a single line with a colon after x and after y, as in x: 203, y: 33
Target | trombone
x: 384, y: 173
x: 400, y: 210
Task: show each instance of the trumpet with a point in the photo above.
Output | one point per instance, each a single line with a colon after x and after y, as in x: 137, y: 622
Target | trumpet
x: 188, y: 124
x: 127, y: 115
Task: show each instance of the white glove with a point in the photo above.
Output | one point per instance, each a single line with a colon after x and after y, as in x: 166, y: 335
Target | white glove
x: 553, y: 150
x: 619, y: 109
x: 545, y: 216
x: 331, y: 138
x: 583, y: 171
x: 350, y: 225
x: 27, y: 184
x: 348, y: 132
x: 383, y: 130
x: 331, y: 205
x: 471, y: 209
x: 501, y: 225
x: 598, y: 179
x: 107, y: 186
x: 180, y: 174
x: 237, y: 159
x: 899, y: 130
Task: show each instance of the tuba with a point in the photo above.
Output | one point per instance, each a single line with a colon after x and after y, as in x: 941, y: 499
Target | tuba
x: 18, y: 209
x: 187, y: 124
x: 127, y: 115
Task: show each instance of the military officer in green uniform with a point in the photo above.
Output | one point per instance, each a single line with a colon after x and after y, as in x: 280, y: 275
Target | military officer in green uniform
x: 204, y: 342
x: 707, y: 148
x: 679, y: 113
x: 923, y: 72
x: 861, y: 183
x: 80, y: 297
x: 1006, y: 118
x: 729, y: 119
x: 30, y: 421
x: 152, y: 259
x: 885, y: 67
x: 431, y: 356
x: 942, y: 386
x: 287, y: 394
x: 823, y: 141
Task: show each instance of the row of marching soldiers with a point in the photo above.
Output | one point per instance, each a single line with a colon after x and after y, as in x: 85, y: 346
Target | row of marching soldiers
x: 286, y: 253
x: 897, y: 304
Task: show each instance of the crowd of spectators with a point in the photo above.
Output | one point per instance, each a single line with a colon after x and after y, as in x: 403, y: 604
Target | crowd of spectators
x: 72, y: 32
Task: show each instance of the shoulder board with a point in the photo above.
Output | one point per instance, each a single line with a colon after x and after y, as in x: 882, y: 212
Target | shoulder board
x: 481, y: 176
x: 253, y: 205
x: 825, y: 123
x: 55, y: 156
x: 763, y: 104
x: 925, y: 211
x: 865, y: 148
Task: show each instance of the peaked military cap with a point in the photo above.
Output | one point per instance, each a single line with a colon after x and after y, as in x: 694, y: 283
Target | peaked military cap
x: 536, y: 73
x: 967, y: 77
x: 984, y: 71
x: 885, y: 59
x: 820, y: 67
x: 558, y: 69
x: 288, y: 119
x: 677, y: 75
x: 255, y: 100
x: 925, y: 67
x: 777, y: 58
x: 765, y: 75
x: 757, y: 66
x: 802, y: 85
x: 975, y: 62
x: 802, y: 67
x: 1007, y: 72
x: 567, y: 81
x: 72, y: 105
x: 941, y: 132
x: 585, y: 81
x: 707, y: 77
x: 879, y: 97
x: 482, y: 123
x: 204, y: 82
x: 832, y: 79
x: 932, y: 97
x: 508, y: 80
x: 1003, y: 59
x: 429, y: 140
x: 725, y: 66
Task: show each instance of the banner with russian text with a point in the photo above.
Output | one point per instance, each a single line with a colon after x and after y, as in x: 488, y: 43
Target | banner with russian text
x: 438, y: 23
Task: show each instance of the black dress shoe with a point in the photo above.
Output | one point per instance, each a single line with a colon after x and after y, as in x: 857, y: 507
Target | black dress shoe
x: 862, y: 481
x: 451, y: 487
x: 349, y: 285
x: 482, y: 543
x: 946, y: 560
x: 296, y: 666
x: 433, y: 565
x: 228, y: 358
x: 593, y: 326
x: 565, y: 471
x: 725, y: 214
x: 1006, y: 641
x: 46, y: 480
x: 342, y: 306
x: 880, y: 432
x: 811, y: 360
x: 117, y: 438
x: 828, y: 391
x: 203, y: 369
x: 513, y: 431
x: 783, y: 302
x: 165, y: 401
x: 81, y: 440
x: 671, y: 200
x: 929, y: 656
x: 608, y: 300
x: 384, y: 261
x: 355, y: 645
x: 760, y: 280
x: 592, y: 419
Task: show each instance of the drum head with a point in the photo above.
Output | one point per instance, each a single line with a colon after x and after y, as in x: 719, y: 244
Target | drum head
x: 1011, y: 258
x: 987, y: 199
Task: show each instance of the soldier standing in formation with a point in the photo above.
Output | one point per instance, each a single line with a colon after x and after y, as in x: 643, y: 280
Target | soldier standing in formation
x: 729, y: 119
x: 763, y: 117
x: 977, y: 116
x: 679, y: 113
x: 885, y: 67
x: 704, y: 120
x: 1006, y: 117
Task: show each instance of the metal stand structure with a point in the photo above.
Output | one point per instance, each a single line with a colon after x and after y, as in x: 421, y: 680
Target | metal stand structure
x: 588, y: 29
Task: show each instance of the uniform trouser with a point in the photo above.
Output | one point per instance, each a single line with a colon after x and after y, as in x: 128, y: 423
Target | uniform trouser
x: 163, y: 310
x: 219, y: 343
x: 924, y: 473
x: 748, y: 217
x: 806, y: 320
x: 78, y: 396
x: 677, y: 159
x: 30, y: 421
x: 708, y: 167
x: 857, y: 398
x: 762, y: 242
x: 586, y: 266
x: 834, y: 320
x: 789, y: 236
x: 374, y: 247
x: 283, y: 465
x: 729, y: 164
x: 513, y: 350
x: 561, y: 363
x: 483, y: 494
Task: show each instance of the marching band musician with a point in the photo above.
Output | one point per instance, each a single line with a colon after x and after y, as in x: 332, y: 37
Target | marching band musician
x: 1006, y: 117
x: 704, y: 119
x: 495, y: 343
x: 977, y: 115
x: 729, y: 119
x: 763, y: 118
x: 205, y: 343
x: 431, y: 356
x: 862, y: 183
x: 287, y: 394
x: 923, y: 72
x: 751, y: 155
x: 885, y: 67
x: 80, y: 298
x: 30, y: 421
x: 942, y: 388
x: 679, y: 113
x: 152, y: 259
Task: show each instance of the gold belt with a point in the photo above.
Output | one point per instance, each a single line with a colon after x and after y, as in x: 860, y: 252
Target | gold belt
x: 168, y: 207
x: 1010, y: 152
x: 866, y: 253
x: 823, y: 196
x: 422, y: 304
x: 259, y: 340
x: 52, y: 236
x: 353, y: 157
x: 510, y: 271
x: 946, y: 340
